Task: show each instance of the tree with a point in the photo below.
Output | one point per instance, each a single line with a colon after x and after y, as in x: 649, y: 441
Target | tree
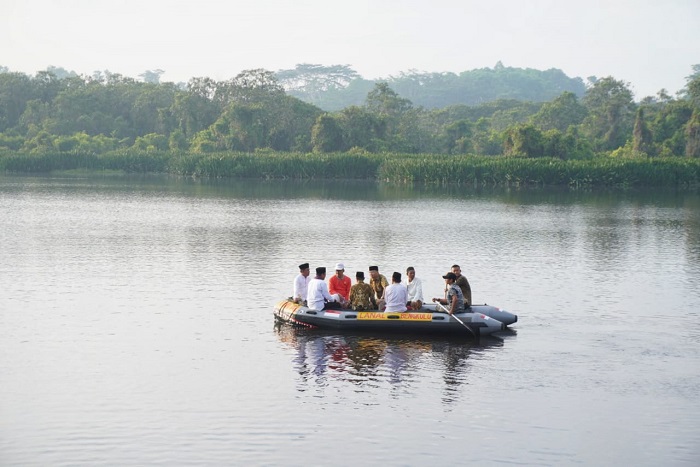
x: 151, y: 142
x: 458, y: 137
x: 151, y: 76
x: 149, y: 108
x: 177, y: 141
x: 60, y: 72
x: 361, y: 128
x: 693, y: 87
x: 668, y: 126
x: 195, y: 108
x: 36, y: 113
x: 560, y: 113
x: 249, y: 86
x: 485, y: 141
x: 559, y: 145
x: 386, y: 105
x: 692, y: 132
x: 641, y: 135
x: 383, y: 101
x: 309, y: 81
x: 326, y: 134
x: 16, y: 89
x: 524, y: 141
x: 610, y: 113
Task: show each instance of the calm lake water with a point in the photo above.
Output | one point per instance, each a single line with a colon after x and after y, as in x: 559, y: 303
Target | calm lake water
x: 136, y: 326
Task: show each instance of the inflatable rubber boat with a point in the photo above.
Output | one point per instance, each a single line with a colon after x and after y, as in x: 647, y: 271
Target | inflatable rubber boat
x: 479, y: 320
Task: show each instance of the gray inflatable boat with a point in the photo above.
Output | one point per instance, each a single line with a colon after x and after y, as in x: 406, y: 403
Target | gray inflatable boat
x: 479, y: 320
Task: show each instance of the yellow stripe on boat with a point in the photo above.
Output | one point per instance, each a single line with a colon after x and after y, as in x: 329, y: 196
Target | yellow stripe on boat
x: 378, y: 316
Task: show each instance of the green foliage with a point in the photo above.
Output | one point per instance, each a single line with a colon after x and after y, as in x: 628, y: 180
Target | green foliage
x: 151, y: 142
x: 692, y: 148
x: 542, y: 171
x: 391, y: 167
x: 610, y: 113
x: 177, y: 141
x: 326, y: 134
x: 560, y: 114
x: 524, y: 141
x: 642, y: 138
x: 310, y: 82
x: 433, y: 90
x: 271, y: 165
x: 8, y: 141
x: 60, y: 112
x: 361, y: 128
x: 628, y: 151
x: 559, y: 145
x: 668, y: 126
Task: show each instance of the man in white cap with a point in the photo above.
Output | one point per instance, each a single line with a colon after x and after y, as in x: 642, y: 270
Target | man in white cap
x: 340, y: 284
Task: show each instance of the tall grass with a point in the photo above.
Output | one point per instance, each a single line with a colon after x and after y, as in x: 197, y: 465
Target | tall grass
x: 543, y: 171
x: 394, y: 168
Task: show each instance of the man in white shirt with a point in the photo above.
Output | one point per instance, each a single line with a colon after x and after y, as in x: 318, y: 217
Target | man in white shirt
x: 395, y: 294
x: 414, y: 286
x: 301, y: 284
x: 318, y: 293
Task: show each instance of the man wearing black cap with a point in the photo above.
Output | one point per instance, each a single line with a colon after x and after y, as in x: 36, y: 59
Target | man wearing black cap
x: 378, y: 283
x: 301, y: 284
x: 318, y: 297
x: 361, y: 294
x: 455, y: 298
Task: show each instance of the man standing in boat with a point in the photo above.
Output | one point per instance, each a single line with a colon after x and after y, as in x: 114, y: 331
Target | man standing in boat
x: 455, y: 298
x: 378, y: 283
x: 395, y: 295
x: 361, y: 294
x: 414, y: 286
x: 463, y: 284
x: 318, y: 297
x: 301, y: 284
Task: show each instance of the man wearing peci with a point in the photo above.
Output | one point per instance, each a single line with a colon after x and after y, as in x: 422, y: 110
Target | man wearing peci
x: 301, y: 284
x: 318, y: 297
x: 361, y: 294
x: 378, y: 283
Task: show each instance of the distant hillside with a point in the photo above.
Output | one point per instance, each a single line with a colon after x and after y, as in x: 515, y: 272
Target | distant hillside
x: 336, y: 87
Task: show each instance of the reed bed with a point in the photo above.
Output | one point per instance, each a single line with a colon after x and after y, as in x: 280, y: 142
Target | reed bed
x: 542, y: 171
x: 394, y: 168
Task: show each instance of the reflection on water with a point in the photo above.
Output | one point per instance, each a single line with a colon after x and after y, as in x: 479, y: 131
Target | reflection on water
x: 368, y: 361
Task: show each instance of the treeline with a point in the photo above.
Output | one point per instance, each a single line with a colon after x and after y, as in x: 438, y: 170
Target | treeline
x: 336, y: 87
x: 106, y: 112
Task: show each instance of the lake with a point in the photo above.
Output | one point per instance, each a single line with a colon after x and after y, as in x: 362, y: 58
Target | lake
x: 136, y: 325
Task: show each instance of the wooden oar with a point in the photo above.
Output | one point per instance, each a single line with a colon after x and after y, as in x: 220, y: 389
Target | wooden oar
x: 458, y: 320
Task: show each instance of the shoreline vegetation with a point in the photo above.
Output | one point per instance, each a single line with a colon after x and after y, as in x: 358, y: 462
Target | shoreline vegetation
x: 385, y: 167
x: 503, y: 126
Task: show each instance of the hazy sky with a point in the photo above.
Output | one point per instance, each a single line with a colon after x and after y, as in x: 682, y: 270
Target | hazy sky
x: 650, y: 44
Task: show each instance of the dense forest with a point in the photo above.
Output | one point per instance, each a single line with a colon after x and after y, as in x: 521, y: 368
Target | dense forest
x: 489, y: 112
